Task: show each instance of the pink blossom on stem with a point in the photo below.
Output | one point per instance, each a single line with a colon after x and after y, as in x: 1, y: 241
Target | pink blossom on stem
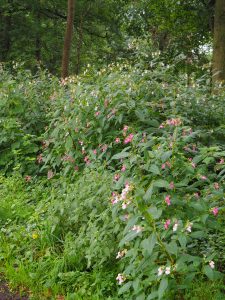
x: 123, y: 169
x: 117, y: 140
x: 172, y: 185
x: 216, y: 185
x: 215, y: 211
x: 167, y: 200
x: 128, y: 139
x: 163, y: 166
x: 167, y: 224
x: 221, y: 162
x: 95, y: 151
x: 203, y: 177
x: 116, y: 177
x: 97, y: 113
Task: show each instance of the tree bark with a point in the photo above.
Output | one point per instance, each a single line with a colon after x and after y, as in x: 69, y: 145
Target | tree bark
x: 219, y: 43
x: 68, y: 39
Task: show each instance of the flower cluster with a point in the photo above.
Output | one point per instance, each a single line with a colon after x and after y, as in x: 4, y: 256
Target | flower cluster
x: 164, y: 269
x: 120, y: 278
x: 171, y: 122
x: 124, y: 196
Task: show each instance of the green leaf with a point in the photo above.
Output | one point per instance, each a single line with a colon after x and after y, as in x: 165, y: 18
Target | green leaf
x: 166, y: 155
x: 129, y: 237
x: 154, y: 169
x: 162, y: 287
x: 149, y: 243
x: 148, y: 193
x: 154, y: 212
x: 161, y: 183
x: 182, y: 240
x: 172, y: 248
x: 125, y: 287
x: 121, y: 155
x: 208, y: 272
x: 153, y: 295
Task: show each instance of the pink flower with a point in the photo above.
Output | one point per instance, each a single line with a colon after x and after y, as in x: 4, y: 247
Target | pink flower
x: 95, y: 151
x: 87, y: 161
x: 193, y: 164
x: 196, y: 195
x: 81, y: 142
x: 117, y: 140
x: 221, y: 161
x: 50, y: 174
x: 137, y: 228
x: 203, y: 177
x: 161, y: 126
x: 168, y: 164
x: 40, y: 158
x: 120, y: 278
x: 172, y: 185
x: 28, y: 178
x: 216, y: 185
x: 123, y: 169
x: 104, y: 148
x: 97, y: 113
x: 167, y: 224
x: 76, y: 168
x: 125, y: 128
x: 116, y: 177
x: 167, y: 200
x: 215, y: 211
x: 163, y: 166
x: 128, y: 139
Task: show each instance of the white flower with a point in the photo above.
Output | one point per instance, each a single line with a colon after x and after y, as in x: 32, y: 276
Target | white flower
x: 212, y: 264
x: 175, y: 227
x: 167, y: 271
x: 189, y: 227
x: 120, y: 254
x: 137, y: 228
x: 120, y: 278
x: 160, y: 271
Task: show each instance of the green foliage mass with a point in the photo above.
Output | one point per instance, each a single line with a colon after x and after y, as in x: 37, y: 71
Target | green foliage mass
x: 123, y: 195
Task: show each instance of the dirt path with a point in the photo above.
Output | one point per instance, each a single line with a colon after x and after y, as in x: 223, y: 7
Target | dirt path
x: 6, y: 294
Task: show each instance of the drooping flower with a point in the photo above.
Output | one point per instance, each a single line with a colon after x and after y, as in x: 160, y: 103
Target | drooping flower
x: 215, y: 211
x: 160, y: 271
x: 221, y: 162
x: 123, y: 169
x: 137, y: 228
x: 163, y: 166
x: 95, y: 151
x: 117, y: 140
x: 172, y: 185
x: 212, y: 264
x: 129, y: 138
x: 167, y: 224
x: 97, y: 113
x: 120, y: 278
x: 167, y: 200
x: 121, y: 254
x: 196, y: 195
x: 189, y: 227
x: 50, y: 174
x: 216, y: 185
x: 116, y: 177
x: 175, y: 226
x: 167, y: 270
x: 28, y: 178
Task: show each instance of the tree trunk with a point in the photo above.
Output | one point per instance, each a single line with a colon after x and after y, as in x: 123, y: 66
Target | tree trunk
x: 219, y: 42
x: 68, y: 38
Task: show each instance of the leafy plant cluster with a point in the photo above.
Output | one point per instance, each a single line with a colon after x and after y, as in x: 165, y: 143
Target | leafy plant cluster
x: 120, y: 193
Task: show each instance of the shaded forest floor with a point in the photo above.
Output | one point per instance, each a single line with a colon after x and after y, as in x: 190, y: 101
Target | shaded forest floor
x: 6, y: 294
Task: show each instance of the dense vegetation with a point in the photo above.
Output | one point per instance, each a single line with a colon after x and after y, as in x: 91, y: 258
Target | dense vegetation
x: 112, y: 180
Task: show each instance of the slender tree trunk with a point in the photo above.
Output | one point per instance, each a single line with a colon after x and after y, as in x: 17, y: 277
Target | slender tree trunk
x: 68, y: 38
x: 219, y: 42
x: 79, y: 44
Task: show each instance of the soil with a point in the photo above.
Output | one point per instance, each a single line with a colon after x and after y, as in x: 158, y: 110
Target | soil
x: 6, y: 294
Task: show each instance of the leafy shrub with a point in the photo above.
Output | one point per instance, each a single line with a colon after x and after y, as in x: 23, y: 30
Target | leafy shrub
x: 25, y: 100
